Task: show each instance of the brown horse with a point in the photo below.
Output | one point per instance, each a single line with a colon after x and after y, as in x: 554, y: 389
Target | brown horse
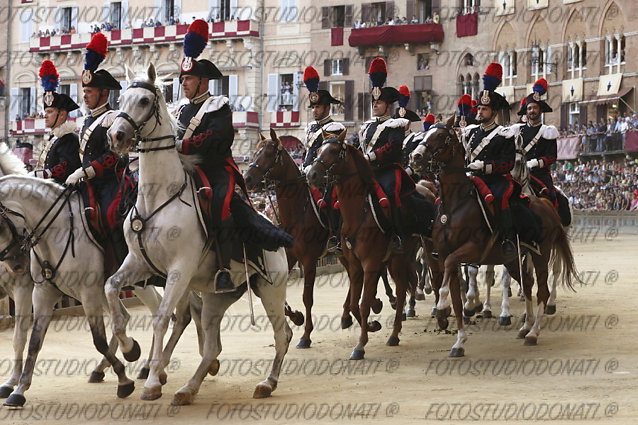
x: 460, y: 235
x: 273, y: 164
x: 365, y: 246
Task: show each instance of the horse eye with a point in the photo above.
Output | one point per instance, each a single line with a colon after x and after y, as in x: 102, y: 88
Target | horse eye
x: 144, y: 101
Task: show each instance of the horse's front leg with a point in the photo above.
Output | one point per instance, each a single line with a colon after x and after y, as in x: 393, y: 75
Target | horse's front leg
x: 130, y: 271
x: 473, y: 304
x: 44, y: 298
x: 505, y: 318
x: 362, y: 313
x: 151, y: 299
x: 22, y: 299
x: 177, y: 281
x: 489, y: 282
x: 310, y: 272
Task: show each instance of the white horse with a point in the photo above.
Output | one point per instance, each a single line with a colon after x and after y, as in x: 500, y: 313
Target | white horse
x: 178, y: 246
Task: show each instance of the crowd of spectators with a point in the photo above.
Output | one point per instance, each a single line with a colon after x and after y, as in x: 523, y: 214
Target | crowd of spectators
x: 602, y: 136
x: 599, y: 185
x: 396, y: 21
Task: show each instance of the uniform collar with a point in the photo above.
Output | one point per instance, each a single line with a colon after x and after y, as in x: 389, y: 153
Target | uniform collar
x: 199, y: 99
x: 325, y: 120
x: 488, y: 127
x: 383, y: 118
x: 535, y: 126
x: 99, y: 110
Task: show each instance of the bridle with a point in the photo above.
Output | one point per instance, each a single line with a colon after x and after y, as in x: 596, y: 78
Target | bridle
x: 265, y: 171
x: 16, y: 238
x: 137, y: 128
x: 436, y: 165
x: 331, y: 176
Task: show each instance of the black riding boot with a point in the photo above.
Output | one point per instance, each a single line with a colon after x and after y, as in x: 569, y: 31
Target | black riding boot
x: 334, y: 241
x: 118, y: 244
x: 398, y: 229
x: 506, y: 230
x: 223, y: 247
x: 251, y: 226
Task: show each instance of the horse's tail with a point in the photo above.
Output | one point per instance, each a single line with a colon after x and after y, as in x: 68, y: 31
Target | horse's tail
x: 561, y: 250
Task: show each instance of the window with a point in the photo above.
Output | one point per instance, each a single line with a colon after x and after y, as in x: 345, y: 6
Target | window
x: 219, y: 87
x: 338, y: 91
x: 615, y: 51
x: 27, y: 102
x: 539, y: 67
x: 116, y: 15
x: 337, y: 67
x: 422, y: 62
x: 378, y: 14
x: 574, y: 113
x: 423, y: 10
x: 288, y: 10
x: 508, y: 62
x: 470, y: 6
x: 169, y: 7
x: 285, y: 92
x: 338, y: 16
x: 66, y: 21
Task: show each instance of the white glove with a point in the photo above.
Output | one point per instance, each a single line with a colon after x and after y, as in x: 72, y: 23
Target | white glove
x: 308, y: 167
x: 79, y: 174
x: 178, y: 145
x: 533, y: 163
x: 476, y: 165
x: 409, y: 171
x: 370, y: 156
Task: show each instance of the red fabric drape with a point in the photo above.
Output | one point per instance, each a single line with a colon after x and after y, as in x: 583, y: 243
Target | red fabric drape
x: 396, y: 34
x: 336, y: 36
x: 467, y: 25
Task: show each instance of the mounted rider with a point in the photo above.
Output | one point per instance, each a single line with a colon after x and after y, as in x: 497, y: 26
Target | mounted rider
x: 381, y: 141
x: 99, y: 163
x: 205, y: 130
x: 321, y: 101
x: 538, y: 141
x: 412, y: 139
x: 490, y: 154
x: 59, y: 156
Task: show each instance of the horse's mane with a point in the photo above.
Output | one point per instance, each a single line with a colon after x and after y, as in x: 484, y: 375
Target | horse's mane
x: 48, y: 184
x: 9, y: 161
x: 361, y: 164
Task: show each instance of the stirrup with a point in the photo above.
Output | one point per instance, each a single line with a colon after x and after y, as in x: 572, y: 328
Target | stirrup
x: 333, y: 246
x: 226, y: 286
x: 396, y: 244
x: 510, y: 254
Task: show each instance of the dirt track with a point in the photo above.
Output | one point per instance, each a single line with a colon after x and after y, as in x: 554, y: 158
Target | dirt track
x: 583, y: 370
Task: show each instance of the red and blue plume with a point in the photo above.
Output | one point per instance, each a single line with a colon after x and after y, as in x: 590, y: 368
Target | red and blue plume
x: 473, y: 109
x: 311, y: 79
x: 49, y: 76
x: 95, y: 51
x: 464, y: 105
x: 404, y: 96
x: 378, y: 72
x: 540, y: 86
x: 428, y: 121
x: 523, y: 101
x: 493, y: 76
x: 196, y: 38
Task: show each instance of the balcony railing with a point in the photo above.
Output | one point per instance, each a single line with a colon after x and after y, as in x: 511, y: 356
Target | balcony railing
x: 127, y: 37
x: 285, y: 119
x: 396, y: 34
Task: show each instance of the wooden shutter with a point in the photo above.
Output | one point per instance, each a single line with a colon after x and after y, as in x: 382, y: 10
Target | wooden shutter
x: 389, y: 10
x: 346, y: 66
x: 409, y: 9
x: 325, y: 17
x: 349, y: 101
x: 564, y: 112
x: 366, y: 8
x: 360, y: 100
x: 327, y: 67
x: 348, y: 15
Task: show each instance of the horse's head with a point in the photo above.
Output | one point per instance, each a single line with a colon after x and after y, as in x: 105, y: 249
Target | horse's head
x: 439, y: 146
x: 12, y: 231
x: 138, y: 114
x: 267, y: 163
x: 329, y: 163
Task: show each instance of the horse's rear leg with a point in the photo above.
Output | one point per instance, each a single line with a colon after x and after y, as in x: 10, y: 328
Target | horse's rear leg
x: 271, y: 299
x: 542, y: 295
x: 527, y: 281
x: 151, y: 299
x: 505, y: 318
x: 44, y: 298
x: 489, y: 282
x: 22, y: 300
x: 556, y: 274
x: 473, y: 303
x: 353, y: 297
x: 310, y: 271
x: 458, y: 349
x: 399, y: 271
x: 388, y: 289
x: 214, y: 307
x: 182, y: 319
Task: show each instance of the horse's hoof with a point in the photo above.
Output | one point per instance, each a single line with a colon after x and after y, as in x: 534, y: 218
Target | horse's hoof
x: 15, y: 400
x: 404, y: 317
x: 182, y: 399
x: 125, y: 390
x: 262, y: 390
x: 468, y: 313
x: 530, y: 340
x: 393, y: 341
x: 522, y: 333
x: 487, y: 314
x: 151, y: 393
x: 374, y: 326
x: 346, y: 322
x: 443, y: 324
x: 5, y: 391
x: 304, y: 343
x: 298, y: 318
x: 457, y: 352
x: 420, y: 296
x: 442, y: 314
x: 466, y: 320
x: 504, y: 321
x: 550, y: 309
x: 214, y: 368
x: 434, y: 312
x: 96, y: 377
x: 134, y: 353
x: 393, y: 303
x: 143, y: 374
x: 478, y: 308
x: 377, y: 306
x: 163, y: 377
x: 427, y: 289
x: 411, y: 313
x: 357, y: 354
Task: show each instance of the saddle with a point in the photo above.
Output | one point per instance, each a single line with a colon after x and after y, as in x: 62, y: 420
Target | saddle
x: 204, y: 192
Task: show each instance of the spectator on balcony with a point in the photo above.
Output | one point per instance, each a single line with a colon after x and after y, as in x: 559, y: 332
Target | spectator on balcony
x: 435, y: 18
x: 634, y: 202
x: 414, y: 20
x: 428, y: 20
x: 356, y: 24
x: 158, y: 23
x: 171, y: 20
x: 601, y: 130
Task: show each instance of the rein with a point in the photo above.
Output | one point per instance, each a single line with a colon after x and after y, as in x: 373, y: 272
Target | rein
x: 333, y: 178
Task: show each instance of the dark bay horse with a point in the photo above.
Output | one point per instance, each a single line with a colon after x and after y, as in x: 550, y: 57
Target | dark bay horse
x: 460, y: 235
x: 365, y: 246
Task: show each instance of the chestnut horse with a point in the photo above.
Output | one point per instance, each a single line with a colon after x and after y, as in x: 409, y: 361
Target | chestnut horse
x: 460, y: 235
x: 366, y: 248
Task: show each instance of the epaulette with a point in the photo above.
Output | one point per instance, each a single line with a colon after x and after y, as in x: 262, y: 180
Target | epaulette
x: 333, y: 127
x: 550, y: 133
x: 509, y: 132
x: 396, y: 123
x: 217, y: 103
x: 469, y: 128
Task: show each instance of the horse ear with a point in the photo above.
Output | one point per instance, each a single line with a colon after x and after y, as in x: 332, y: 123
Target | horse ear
x: 130, y: 76
x: 450, y: 121
x: 273, y: 135
x: 342, y: 136
x: 261, y: 136
x: 152, y: 75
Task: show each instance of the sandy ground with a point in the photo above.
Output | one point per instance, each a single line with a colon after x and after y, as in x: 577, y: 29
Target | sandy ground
x: 583, y: 369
